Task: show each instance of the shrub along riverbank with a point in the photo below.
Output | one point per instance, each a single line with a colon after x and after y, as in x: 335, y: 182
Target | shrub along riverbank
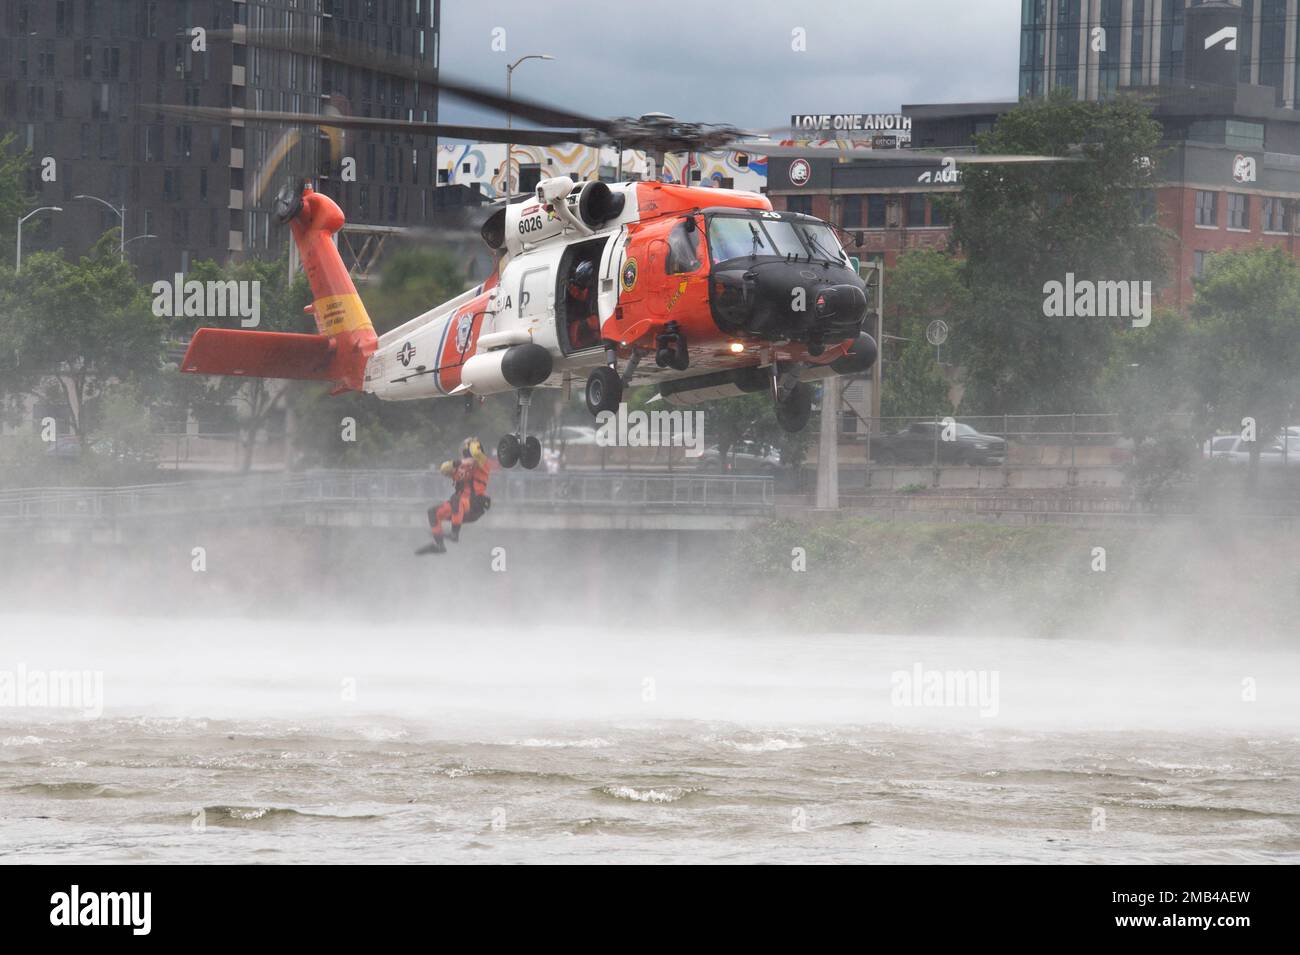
x: 1208, y: 582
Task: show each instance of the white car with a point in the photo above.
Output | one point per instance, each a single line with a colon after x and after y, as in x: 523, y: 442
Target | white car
x: 1232, y: 448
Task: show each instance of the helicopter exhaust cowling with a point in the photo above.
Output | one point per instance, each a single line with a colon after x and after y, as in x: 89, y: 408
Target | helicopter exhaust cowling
x: 519, y: 366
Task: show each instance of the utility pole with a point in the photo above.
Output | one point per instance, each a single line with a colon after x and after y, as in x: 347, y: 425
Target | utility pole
x: 120, y: 213
x: 510, y: 69
x: 877, y: 370
x: 828, y: 448
x: 18, y: 261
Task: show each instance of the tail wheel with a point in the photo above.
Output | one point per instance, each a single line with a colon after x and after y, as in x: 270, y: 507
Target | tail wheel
x: 793, y: 413
x: 508, y: 450
x: 604, y: 390
x: 531, y: 455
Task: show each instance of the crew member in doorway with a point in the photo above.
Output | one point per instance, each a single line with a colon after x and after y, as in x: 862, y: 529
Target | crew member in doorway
x: 584, y: 329
x: 469, y: 499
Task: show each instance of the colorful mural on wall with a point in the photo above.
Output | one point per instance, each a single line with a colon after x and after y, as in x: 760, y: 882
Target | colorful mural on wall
x: 483, y: 163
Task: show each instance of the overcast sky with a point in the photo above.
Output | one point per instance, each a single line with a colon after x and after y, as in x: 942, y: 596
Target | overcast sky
x: 733, y: 62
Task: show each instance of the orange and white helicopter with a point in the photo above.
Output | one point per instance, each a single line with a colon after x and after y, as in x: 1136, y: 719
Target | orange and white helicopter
x: 705, y: 293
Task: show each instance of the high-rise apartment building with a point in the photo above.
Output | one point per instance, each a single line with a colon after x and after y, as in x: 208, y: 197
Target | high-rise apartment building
x: 76, y: 76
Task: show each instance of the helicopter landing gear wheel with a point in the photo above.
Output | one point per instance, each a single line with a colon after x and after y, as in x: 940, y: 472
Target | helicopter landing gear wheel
x: 604, y: 390
x: 793, y: 411
x: 509, y: 450
x: 517, y: 447
x: 791, y: 398
x: 531, y: 455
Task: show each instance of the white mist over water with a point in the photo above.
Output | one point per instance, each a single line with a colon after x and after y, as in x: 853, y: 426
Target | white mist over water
x: 232, y: 669
x: 341, y: 742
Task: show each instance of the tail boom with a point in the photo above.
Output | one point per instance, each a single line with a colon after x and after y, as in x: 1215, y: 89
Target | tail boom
x: 345, y: 337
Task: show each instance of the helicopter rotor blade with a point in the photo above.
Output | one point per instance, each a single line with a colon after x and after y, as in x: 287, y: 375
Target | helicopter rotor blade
x: 894, y: 155
x: 487, y: 134
x: 370, y: 58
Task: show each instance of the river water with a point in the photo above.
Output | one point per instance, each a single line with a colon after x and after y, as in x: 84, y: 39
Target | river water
x: 269, y: 741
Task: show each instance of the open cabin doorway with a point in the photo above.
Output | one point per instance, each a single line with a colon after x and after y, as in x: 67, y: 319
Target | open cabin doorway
x: 576, y: 295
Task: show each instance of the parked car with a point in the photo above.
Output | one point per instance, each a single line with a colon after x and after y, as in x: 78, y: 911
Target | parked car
x: 1219, y: 446
x: 915, y: 444
x: 1234, y: 450
x: 743, y: 457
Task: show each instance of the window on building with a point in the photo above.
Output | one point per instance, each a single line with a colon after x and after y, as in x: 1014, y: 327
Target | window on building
x: 802, y: 204
x: 877, y: 210
x: 1238, y: 211
x: 1207, y: 208
x: 851, y: 212
x: 939, y: 211
x: 915, y: 204
x: 1145, y: 200
x: 1274, y: 215
x: 1200, y: 262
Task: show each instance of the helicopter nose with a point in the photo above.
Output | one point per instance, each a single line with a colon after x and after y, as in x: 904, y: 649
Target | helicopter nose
x: 840, y: 302
x: 788, y: 301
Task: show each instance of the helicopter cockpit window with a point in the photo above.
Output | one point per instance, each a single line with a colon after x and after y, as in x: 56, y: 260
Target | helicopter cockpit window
x: 731, y: 237
x: 821, y: 241
x: 736, y: 236
x: 682, y: 255
x: 784, y: 240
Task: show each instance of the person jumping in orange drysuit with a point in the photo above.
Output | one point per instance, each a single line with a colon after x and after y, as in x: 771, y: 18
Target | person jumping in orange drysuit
x: 469, y: 498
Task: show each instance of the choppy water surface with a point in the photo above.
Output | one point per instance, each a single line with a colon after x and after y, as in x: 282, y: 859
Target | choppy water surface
x: 239, y: 741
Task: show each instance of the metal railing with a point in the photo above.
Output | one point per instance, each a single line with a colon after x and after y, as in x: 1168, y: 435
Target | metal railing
x: 572, y: 490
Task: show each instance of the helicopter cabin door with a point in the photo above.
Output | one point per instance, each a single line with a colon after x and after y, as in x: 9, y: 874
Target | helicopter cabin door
x: 676, y: 256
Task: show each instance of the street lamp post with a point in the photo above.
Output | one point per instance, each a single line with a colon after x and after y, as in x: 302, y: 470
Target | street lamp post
x: 18, y: 260
x: 510, y: 69
x: 121, y: 214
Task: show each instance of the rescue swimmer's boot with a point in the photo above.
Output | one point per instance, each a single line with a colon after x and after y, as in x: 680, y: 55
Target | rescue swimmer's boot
x: 435, y: 546
x: 455, y: 533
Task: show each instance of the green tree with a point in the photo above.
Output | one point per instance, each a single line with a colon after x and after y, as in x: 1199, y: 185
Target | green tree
x: 1246, y: 344
x: 1021, y: 226
x: 925, y: 285
x: 79, y: 325
x: 15, y: 200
